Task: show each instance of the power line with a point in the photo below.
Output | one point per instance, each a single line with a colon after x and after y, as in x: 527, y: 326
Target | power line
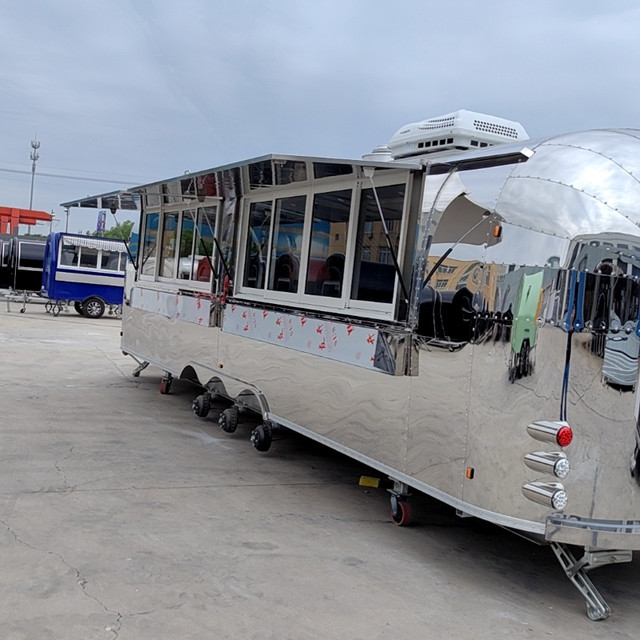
x: 59, y: 175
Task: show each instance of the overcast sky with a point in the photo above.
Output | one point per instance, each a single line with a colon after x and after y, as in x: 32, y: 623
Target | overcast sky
x: 125, y: 92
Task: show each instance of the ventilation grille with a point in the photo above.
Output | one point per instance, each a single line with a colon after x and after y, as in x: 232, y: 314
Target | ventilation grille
x: 498, y: 129
x: 437, y: 123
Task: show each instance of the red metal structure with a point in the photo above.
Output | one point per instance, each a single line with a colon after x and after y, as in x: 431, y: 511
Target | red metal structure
x: 11, y: 217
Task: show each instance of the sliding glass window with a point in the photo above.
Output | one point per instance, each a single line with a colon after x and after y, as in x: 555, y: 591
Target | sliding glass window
x: 328, y: 243
x: 149, y: 251
x: 204, y: 254
x: 287, y: 246
x: 185, y: 262
x: 257, y: 249
x: 374, y: 274
x: 168, y: 248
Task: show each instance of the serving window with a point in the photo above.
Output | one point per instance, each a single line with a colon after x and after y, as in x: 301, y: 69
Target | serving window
x: 310, y: 234
x: 182, y: 243
x: 326, y: 245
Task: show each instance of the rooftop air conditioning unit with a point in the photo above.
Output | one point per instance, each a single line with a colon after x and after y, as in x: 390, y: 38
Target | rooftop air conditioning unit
x: 458, y: 131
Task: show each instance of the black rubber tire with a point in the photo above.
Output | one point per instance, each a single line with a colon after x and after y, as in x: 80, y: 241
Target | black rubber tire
x: 201, y: 405
x: 93, y: 307
x: 77, y: 305
x: 228, y: 420
x: 261, y: 437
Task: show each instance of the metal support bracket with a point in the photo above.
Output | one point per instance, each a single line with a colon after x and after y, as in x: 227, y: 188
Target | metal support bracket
x: 399, y: 489
x: 142, y: 365
x: 575, y: 570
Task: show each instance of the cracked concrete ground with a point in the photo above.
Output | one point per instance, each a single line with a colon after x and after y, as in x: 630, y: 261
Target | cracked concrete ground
x: 122, y: 515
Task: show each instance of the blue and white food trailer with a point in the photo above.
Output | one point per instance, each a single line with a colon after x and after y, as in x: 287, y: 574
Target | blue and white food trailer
x: 86, y: 270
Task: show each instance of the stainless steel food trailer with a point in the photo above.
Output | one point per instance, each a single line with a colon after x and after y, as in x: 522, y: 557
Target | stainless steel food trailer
x: 457, y: 309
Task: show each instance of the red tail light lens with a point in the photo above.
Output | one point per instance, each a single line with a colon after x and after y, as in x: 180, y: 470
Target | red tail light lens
x: 564, y: 436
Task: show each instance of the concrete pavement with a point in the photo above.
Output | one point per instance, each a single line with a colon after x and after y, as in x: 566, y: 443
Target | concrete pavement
x: 122, y: 515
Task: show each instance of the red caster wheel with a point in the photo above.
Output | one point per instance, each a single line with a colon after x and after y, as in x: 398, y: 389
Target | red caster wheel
x: 401, y: 511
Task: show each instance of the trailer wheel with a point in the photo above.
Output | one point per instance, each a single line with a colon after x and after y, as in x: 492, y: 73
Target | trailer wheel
x: 165, y: 385
x: 228, y: 420
x: 401, y: 511
x: 93, y: 307
x: 77, y: 305
x: 201, y: 405
x: 261, y: 437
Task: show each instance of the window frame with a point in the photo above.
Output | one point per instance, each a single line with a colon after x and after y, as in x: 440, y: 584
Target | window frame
x: 345, y: 303
x: 180, y: 208
x: 152, y: 275
x: 383, y: 309
x: 67, y: 241
x: 272, y: 196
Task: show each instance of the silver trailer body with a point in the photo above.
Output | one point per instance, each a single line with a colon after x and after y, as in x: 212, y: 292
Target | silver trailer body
x: 504, y: 313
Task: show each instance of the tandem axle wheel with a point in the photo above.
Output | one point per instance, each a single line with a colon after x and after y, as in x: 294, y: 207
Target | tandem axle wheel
x: 201, y: 404
x: 262, y: 437
x: 228, y: 419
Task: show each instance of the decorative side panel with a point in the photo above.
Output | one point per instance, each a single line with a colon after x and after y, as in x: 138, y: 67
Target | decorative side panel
x: 348, y: 343
x: 174, y: 305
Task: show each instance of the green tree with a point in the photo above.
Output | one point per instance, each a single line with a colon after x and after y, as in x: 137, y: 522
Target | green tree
x: 122, y: 230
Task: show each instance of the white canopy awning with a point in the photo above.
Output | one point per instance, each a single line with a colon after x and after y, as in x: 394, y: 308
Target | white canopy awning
x: 106, y: 244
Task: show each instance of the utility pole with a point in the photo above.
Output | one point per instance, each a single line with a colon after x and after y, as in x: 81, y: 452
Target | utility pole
x: 35, y: 145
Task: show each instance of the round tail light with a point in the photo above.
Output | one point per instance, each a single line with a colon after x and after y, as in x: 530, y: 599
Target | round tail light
x: 564, y: 436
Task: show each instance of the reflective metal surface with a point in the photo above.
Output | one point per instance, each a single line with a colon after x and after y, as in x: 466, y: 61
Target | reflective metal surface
x: 544, y: 295
x: 525, y: 305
